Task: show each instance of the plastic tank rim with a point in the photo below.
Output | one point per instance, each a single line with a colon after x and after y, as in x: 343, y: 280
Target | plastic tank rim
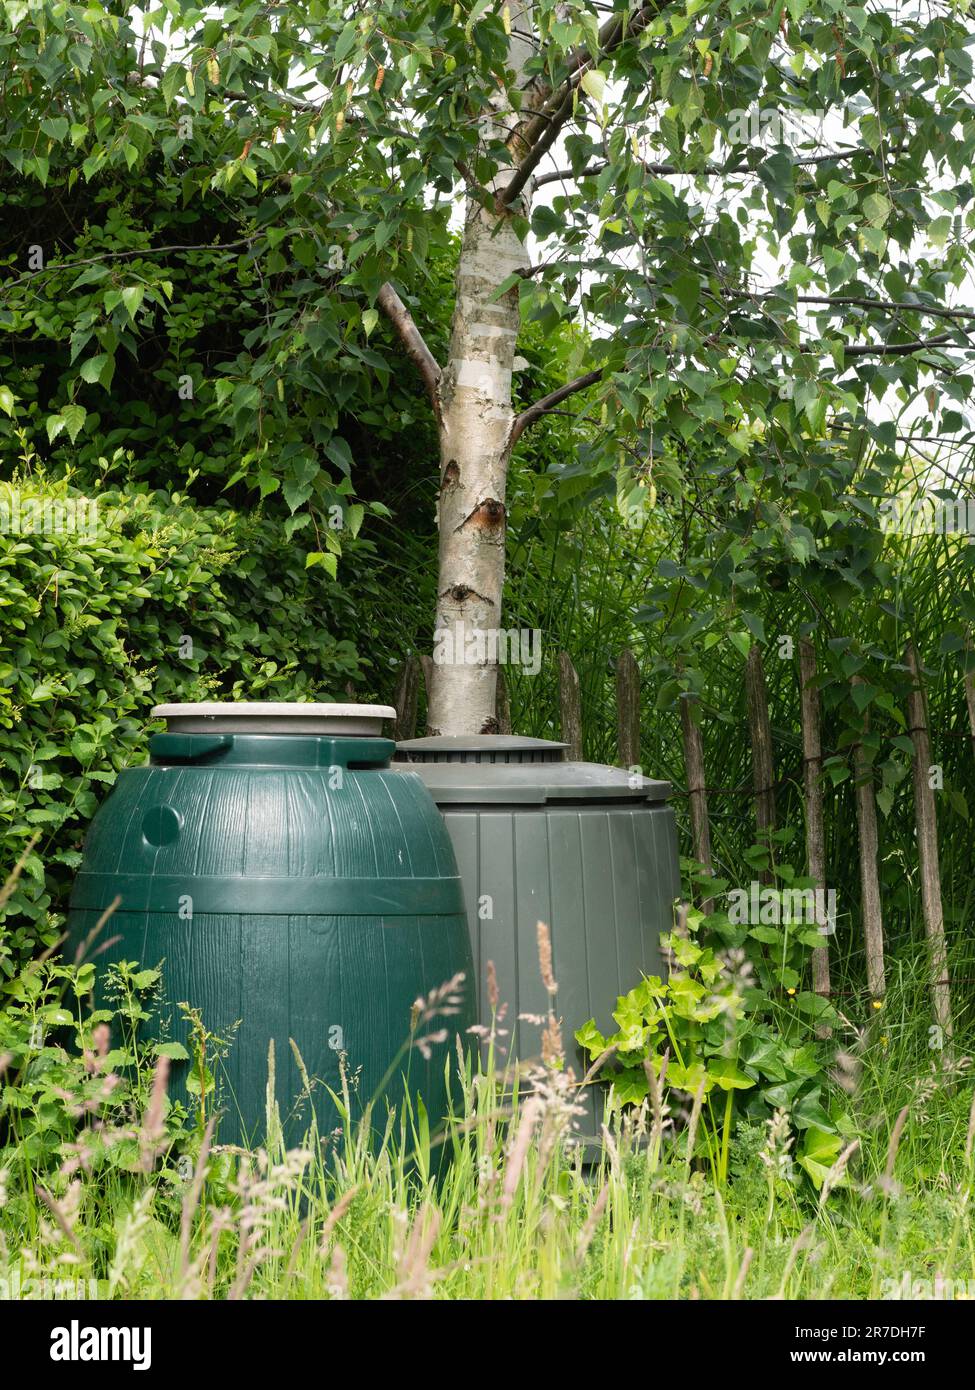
x: 273, y: 716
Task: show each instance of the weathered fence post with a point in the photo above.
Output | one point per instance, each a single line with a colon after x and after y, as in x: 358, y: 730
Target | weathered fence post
x: 570, y: 708
x: 502, y: 705
x: 763, y: 766
x: 426, y: 666
x: 628, y: 709
x: 873, y: 925
x: 697, y: 797
x: 812, y: 758
x: 927, y: 844
x: 406, y: 699
x: 969, y: 679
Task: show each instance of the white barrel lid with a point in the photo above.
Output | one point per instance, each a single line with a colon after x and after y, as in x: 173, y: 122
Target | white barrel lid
x: 273, y: 717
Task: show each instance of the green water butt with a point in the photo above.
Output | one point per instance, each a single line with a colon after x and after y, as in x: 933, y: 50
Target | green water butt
x: 292, y: 887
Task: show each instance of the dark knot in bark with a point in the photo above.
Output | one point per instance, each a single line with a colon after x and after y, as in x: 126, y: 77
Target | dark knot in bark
x: 488, y: 516
x: 460, y: 593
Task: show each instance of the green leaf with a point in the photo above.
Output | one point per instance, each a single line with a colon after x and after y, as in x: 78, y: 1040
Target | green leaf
x: 689, y: 1078
x: 55, y: 1016
x: 877, y: 209
x: 818, y: 1154
x: 686, y: 289
x: 322, y: 557
x: 172, y: 82
x: 726, y: 1072
x: 345, y: 43
x: 300, y: 481
x: 809, y: 1112
x: 132, y: 297
x: 590, y: 1038
x: 74, y: 418
x: 92, y: 367
x: 631, y: 1086
x: 593, y: 83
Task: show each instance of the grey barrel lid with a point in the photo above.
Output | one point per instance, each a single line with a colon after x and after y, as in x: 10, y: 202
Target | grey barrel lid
x: 505, y: 769
x: 273, y: 717
x: 479, y: 748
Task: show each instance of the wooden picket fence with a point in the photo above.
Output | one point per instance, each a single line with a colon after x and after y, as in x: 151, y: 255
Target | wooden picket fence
x: 416, y: 669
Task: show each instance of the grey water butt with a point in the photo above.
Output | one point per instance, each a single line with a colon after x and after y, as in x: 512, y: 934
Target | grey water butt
x: 588, y: 849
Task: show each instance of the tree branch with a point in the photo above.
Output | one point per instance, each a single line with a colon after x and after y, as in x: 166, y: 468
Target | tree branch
x: 542, y: 130
x: 711, y: 171
x: 890, y: 305
x: 412, y: 340
x: 548, y: 403
x: 895, y: 349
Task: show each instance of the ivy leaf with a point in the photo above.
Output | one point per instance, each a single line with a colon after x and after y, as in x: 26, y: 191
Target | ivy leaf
x: 809, y: 1112
x: 728, y: 1075
x: 631, y: 1086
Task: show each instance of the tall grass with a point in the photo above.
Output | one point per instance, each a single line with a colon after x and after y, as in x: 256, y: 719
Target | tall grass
x: 502, y: 1202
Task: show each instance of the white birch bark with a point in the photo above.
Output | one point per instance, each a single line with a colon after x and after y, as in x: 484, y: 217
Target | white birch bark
x: 476, y: 416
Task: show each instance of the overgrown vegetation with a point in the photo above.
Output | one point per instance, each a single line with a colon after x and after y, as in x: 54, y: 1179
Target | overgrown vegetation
x: 105, y: 1190
x: 190, y: 259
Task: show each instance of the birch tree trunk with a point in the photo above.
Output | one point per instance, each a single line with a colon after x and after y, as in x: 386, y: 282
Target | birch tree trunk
x: 471, y: 395
x: 476, y: 416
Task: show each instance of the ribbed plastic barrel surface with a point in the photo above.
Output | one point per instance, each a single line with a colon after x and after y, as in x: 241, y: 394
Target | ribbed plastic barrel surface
x: 295, y: 885
x: 590, y: 850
